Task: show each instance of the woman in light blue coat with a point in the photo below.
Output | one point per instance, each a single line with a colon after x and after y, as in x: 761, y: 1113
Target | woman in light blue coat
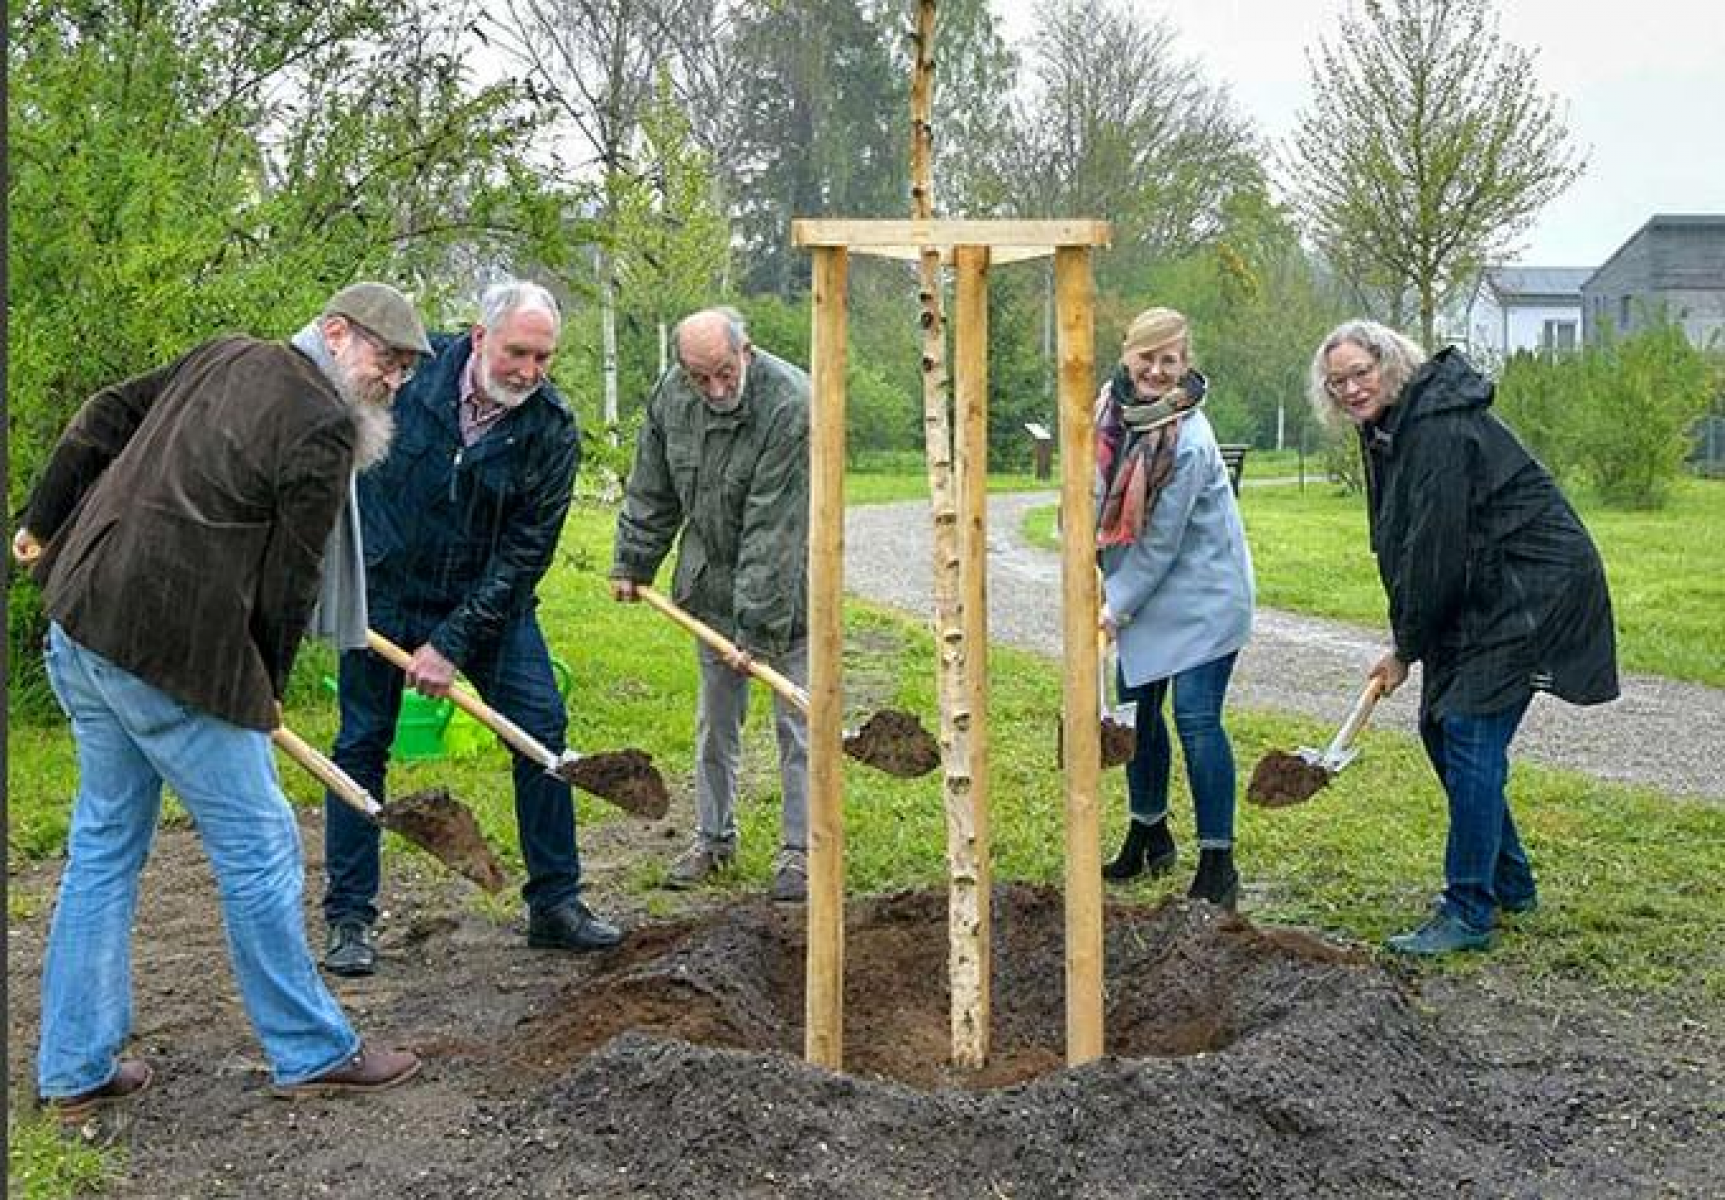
x: 1177, y: 595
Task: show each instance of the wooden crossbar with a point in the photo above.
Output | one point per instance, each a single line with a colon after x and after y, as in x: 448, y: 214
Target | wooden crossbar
x: 1008, y: 241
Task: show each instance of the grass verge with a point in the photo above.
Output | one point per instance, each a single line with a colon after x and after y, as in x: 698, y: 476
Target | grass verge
x: 1667, y: 568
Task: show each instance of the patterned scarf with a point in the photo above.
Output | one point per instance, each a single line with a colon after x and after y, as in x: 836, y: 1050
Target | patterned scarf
x: 1135, y: 442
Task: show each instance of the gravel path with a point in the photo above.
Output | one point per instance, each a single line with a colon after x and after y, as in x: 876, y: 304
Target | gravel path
x: 1661, y: 733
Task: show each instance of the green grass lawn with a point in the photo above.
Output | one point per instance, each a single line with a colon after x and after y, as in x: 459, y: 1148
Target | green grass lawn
x: 1667, y: 568
x: 1631, y: 890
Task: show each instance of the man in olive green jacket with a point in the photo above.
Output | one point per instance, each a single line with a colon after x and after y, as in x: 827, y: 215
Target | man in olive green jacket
x: 722, y: 458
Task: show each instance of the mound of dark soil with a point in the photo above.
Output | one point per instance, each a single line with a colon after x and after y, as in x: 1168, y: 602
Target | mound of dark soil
x: 1242, y: 1062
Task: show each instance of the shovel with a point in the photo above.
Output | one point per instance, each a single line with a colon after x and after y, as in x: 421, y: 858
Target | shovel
x: 433, y: 820
x: 1281, y: 779
x: 891, y: 741
x: 627, y: 778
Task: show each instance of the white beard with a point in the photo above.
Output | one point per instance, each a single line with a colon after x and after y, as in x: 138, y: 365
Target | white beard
x: 374, y: 425
x: 373, y: 420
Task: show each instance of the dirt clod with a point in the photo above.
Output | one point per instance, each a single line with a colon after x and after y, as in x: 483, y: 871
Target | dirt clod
x: 1119, y: 743
x: 895, y: 742
x: 1281, y: 779
x: 627, y: 778
x: 441, y: 825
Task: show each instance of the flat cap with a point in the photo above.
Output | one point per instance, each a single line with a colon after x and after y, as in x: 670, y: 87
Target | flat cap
x: 383, y: 311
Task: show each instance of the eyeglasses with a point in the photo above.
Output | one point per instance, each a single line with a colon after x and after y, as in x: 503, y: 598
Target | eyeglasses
x: 402, y: 362
x: 1335, y: 385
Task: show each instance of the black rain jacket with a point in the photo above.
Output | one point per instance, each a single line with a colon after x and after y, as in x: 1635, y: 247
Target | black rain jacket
x: 1493, y: 582
x: 463, y: 534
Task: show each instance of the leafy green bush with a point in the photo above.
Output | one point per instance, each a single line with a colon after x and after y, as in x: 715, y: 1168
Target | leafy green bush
x: 1619, y: 416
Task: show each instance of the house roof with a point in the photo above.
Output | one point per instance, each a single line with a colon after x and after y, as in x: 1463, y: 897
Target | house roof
x: 1663, y: 221
x: 1527, y: 283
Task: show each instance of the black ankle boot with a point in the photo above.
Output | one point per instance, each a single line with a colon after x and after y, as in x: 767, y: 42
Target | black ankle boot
x: 1216, y: 881
x: 1146, y: 848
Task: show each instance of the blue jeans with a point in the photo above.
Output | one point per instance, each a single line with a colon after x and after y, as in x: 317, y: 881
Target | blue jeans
x: 1484, y: 864
x: 514, y: 676
x: 131, y: 738
x: 1198, y: 697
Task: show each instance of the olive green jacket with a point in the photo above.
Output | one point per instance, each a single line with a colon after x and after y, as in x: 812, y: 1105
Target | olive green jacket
x: 736, y: 485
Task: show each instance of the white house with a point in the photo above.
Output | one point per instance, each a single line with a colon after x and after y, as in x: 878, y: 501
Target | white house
x: 1524, y: 308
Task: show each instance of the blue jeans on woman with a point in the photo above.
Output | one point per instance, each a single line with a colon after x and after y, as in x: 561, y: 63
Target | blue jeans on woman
x: 131, y: 738
x: 1198, y: 696
x: 514, y: 676
x: 1484, y: 865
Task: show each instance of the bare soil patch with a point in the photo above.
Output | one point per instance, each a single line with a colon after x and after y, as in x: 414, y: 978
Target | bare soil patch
x: 1242, y: 1061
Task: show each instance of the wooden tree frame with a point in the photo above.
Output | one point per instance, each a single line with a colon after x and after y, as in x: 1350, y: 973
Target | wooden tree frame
x: 973, y: 246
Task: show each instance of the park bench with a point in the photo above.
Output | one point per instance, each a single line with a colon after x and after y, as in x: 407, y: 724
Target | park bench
x: 1234, y: 458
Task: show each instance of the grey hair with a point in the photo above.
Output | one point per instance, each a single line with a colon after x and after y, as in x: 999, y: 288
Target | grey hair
x: 736, y: 329
x: 1397, y: 356
x: 501, y: 300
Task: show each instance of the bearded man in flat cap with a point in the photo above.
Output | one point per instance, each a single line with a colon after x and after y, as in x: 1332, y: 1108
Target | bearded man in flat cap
x: 178, y: 532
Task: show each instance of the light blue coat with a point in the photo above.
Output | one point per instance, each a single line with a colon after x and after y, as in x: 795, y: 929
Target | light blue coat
x: 1182, y: 593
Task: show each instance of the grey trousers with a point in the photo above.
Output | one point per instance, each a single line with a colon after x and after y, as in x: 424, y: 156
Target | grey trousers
x: 719, y: 747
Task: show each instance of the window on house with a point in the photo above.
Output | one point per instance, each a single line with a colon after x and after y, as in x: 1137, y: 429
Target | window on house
x: 1623, y: 314
x: 1558, y: 337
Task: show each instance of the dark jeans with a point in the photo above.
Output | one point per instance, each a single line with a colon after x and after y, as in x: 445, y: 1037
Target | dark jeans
x: 1198, y: 697
x: 514, y: 676
x: 1484, y: 864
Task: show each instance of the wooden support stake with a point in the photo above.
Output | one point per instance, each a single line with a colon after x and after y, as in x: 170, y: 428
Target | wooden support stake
x: 969, y: 919
x: 1075, y: 312
x: 823, y: 1011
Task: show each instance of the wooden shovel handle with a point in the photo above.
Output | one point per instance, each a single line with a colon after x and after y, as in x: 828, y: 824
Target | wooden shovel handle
x: 718, y: 641
x: 1357, y: 715
x: 472, y: 705
x: 339, y: 782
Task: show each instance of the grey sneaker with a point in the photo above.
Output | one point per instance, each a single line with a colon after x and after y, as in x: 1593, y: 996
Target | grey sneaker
x: 699, y: 863
x: 350, y: 951
x: 791, y: 877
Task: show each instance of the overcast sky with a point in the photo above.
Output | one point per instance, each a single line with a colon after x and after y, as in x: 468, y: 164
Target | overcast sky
x: 1643, y: 85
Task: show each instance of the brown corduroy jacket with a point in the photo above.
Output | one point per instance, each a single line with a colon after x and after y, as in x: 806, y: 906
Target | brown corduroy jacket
x: 184, y: 514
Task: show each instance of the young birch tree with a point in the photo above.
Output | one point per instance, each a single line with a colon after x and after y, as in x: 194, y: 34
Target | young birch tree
x: 1429, y: 149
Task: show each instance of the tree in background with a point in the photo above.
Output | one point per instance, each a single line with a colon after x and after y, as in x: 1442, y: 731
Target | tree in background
x: 185, y: 167
x: 1429, y: 150
x: 821, y: 131
x: 593, y: 64
x: 673, y: 242
x: 1115, y: 124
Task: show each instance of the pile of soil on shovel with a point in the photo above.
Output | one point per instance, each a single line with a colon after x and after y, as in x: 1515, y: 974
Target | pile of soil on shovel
x: 1281, y: 779
x: 446, y: 828
x: 895, y: 742
x: 1119, y: 743
x: 627, y: 778
x: 1242, y: 1061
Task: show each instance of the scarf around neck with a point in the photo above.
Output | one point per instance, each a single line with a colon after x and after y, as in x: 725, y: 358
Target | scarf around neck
x: 340, y: 616
x: 1135, y: 443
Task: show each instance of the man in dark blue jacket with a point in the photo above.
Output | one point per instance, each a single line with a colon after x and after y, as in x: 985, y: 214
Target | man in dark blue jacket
x: 460, y: 523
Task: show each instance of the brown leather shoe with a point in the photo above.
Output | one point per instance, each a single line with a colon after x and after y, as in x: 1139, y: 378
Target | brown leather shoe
x: 133, y: 1076
x: 367, y: 1071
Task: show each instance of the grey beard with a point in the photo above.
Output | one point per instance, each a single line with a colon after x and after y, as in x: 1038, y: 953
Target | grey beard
x: 374, y: 425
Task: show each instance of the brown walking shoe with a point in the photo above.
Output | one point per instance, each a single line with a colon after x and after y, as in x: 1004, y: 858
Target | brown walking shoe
x: 132, y: 1077
x: 367, y: 1071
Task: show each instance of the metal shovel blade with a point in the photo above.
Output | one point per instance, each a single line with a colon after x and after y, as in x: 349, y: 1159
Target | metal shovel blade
x: 1331, y: 760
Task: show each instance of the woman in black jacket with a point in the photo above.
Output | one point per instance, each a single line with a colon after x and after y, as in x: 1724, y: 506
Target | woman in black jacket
x: 1494, y: 587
